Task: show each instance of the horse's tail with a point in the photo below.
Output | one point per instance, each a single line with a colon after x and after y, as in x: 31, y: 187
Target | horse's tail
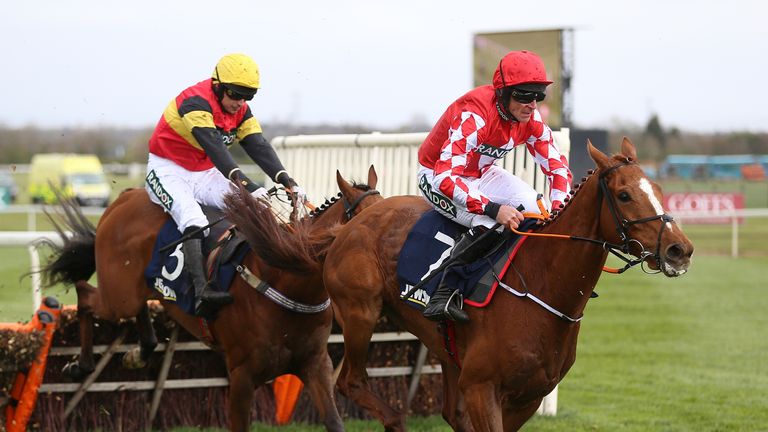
x: 75, y: 259
x: 279, y: 245
x: 320, y: 242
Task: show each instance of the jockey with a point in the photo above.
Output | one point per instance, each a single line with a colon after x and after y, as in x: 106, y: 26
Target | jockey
x: 190, y: 164
x: 456, y: 161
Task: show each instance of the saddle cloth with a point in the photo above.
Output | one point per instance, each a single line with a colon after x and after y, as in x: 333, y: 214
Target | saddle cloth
x: 429, y: 243
x: 166, y: 274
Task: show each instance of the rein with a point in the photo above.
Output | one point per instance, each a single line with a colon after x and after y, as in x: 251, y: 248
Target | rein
x: 622, y: 228
x: 527, y: 293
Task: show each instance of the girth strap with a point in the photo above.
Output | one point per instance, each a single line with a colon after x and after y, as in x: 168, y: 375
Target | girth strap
x: 277, y: 297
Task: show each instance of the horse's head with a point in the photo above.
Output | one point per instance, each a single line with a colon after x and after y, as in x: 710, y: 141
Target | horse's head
x: 354, y: 196
x: 632, y: 215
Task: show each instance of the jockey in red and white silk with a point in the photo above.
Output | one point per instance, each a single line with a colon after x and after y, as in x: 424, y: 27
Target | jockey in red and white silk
x: 457, y: 174
x: 467, y: 140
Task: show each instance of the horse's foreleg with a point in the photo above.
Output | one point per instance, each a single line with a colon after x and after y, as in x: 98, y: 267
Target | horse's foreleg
x: 515, y: 416
x: 137, y: 358
x: 353, y: 379
x: 241, y: 388
x: 483, y: 406
x: 454, y: 410
x: 318, y: 376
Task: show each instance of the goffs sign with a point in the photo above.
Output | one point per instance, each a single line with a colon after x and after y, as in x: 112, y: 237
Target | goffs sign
x: 709, y: 203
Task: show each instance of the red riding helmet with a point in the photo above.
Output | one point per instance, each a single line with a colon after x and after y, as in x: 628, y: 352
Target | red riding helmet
x: 519, y: 67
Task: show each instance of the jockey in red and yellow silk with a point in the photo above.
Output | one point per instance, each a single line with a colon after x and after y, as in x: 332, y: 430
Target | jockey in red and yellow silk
x: 197, y: 106
x: 190, y: 164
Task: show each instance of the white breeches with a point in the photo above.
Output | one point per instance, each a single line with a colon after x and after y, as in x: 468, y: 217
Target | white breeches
x: 499, y: 185
x: 180, y: 191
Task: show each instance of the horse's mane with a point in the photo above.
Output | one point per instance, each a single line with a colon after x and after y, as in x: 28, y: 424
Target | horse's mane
x: 557, y: 213
x: 330, y: 201
x: 280, y: 245
x: 293, y: 247
x: 324, y: 206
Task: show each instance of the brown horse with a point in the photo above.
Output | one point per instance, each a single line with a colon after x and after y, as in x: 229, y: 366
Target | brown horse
x: 259, y: 337
x: 515, y: 350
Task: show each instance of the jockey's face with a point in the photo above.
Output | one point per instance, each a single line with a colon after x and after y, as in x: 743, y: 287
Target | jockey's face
x: 231, y: 105
x: 520, y: 111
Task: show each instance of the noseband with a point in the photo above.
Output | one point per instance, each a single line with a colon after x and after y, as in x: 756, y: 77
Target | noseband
x: 623, y: 225
x: 349, y: 209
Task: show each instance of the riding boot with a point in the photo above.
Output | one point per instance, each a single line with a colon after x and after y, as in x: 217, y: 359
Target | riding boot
x: 207, y: 301
x: 446, y: 302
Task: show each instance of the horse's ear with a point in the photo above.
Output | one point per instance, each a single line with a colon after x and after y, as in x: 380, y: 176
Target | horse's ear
x: 628, y: 149
x: 599, y: 157
x: 344, y: 185
x: 372, y: 177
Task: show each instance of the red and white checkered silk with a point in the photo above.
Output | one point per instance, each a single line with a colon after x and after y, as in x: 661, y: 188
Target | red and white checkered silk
x: 470, y: 136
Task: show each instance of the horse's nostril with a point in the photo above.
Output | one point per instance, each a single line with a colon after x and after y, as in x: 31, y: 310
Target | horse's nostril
x: 675, y: 252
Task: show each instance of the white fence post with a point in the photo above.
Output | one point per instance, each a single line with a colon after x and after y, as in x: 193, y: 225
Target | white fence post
x: 734, y: 236
x: 34, y: 267
x: 548, y: 406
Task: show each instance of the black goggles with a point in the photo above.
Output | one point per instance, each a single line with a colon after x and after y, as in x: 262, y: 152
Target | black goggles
x: 237, y: 96
x: 526, y: 97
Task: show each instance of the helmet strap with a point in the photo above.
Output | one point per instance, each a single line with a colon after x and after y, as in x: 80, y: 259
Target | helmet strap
x: 502, y: 104
x: 218, y: 90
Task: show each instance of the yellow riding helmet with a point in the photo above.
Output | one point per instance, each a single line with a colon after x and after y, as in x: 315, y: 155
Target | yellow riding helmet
x: 237, y: 70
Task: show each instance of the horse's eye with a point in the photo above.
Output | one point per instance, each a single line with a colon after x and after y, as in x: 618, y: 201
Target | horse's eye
x: 624, y: 197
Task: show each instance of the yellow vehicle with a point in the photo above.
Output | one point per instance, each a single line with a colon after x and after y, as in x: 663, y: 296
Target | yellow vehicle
x: 76, y: 175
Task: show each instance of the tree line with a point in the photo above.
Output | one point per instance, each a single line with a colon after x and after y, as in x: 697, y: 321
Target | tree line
x: 125, y: 145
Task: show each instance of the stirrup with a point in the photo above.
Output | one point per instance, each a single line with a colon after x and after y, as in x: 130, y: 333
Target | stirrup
x: 206, y: 306
x: 457, y: 314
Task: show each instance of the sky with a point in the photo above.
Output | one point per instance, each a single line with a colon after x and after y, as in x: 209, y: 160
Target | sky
x: 700, y: 66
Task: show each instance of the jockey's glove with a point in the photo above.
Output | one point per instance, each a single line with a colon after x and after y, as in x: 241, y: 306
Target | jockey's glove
x: 260, y: 193
x: 299, y: 196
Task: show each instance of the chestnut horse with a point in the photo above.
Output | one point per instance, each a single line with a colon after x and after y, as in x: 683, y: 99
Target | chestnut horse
x: 260, y: 339
x: 515, y: 350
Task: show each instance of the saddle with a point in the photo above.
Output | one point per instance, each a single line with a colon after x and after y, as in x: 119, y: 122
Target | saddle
x: 428, y: 245
x: 224, y: 249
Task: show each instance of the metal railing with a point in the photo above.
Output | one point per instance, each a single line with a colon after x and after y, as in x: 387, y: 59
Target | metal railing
x: 734, y: 216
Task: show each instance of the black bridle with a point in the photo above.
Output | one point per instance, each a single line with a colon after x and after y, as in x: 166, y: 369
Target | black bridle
x: 350, y: 208
x: 622, y: 228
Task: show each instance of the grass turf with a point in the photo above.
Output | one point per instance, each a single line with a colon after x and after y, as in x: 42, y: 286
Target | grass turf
x: 658, y: 354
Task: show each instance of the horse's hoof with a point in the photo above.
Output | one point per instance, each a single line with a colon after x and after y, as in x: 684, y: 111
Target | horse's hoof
x: 75, y: 372
x: 132, y: 359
